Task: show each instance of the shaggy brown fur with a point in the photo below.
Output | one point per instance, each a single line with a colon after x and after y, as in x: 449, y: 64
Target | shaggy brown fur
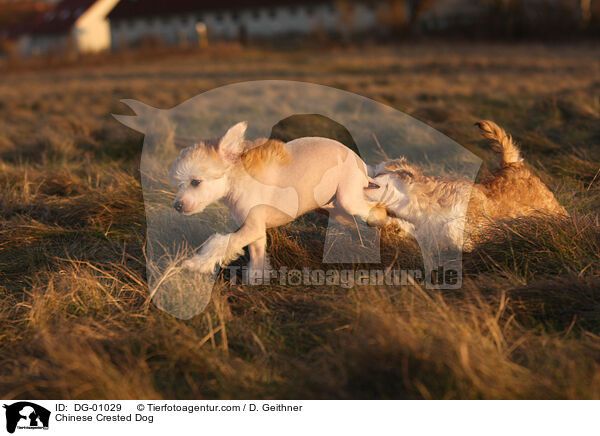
x: 510, y: 192
x: 513, y: 190
x: 500, y: 142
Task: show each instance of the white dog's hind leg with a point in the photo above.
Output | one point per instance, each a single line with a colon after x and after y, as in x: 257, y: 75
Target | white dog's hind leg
x: 218, y: 250
x: 340, y: 216
x: 259, y: 265
x: 257, y: 251
x: 350, y: 196
x: 351, y: 201
x: 259, y: 260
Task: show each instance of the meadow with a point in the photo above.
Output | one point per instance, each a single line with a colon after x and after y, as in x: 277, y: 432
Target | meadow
x: 76, y: 320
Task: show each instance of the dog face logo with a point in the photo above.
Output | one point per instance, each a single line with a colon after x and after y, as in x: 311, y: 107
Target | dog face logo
x: 26, y: 415
x: 222, y: 167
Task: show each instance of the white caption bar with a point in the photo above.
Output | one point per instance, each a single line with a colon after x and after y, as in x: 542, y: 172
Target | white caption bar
x: 298, y: 417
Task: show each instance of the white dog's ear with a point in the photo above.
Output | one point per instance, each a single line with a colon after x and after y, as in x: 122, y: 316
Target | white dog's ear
x: 231, y: 144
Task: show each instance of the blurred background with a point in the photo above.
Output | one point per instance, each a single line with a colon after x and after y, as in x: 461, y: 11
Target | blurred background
x: 80, y: 27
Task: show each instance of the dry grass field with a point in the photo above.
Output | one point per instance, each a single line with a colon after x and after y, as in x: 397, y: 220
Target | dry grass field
x: 75, y: 320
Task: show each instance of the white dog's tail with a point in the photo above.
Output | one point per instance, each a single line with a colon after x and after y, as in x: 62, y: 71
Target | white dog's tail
x: 501, y: 142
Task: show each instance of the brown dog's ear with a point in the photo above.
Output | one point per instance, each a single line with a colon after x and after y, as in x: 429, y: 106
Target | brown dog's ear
x: 231, y: 144
x: 396, y: 164
x: 402, y: 169
x: 405, y: 174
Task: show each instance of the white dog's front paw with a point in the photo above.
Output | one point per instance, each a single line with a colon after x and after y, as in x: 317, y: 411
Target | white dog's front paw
x: 199, y: 264
x: 216, y: 251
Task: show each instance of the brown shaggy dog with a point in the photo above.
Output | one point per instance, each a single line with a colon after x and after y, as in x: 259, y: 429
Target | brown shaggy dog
x: 447, y: 211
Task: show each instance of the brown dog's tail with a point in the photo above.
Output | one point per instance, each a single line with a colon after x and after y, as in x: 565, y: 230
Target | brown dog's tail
x: 501, y: 142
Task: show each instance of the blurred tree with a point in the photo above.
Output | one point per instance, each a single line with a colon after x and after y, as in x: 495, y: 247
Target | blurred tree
x: 347, y: 24
x: 506, y: 18
x: 402, y: 16
x: 595, y: 13
x: 416, y: 9
x: 586, y: 12
x: 15, y: 12
x: 394, y: 16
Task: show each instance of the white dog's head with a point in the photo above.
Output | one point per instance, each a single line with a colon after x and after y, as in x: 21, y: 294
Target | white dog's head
x: 202, y: 171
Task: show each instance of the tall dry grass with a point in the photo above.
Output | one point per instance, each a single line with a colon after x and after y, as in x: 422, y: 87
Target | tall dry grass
x: 76, y: 318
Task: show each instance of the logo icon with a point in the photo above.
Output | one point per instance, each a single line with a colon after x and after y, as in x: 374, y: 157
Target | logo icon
x: 282, y: 150
x: 26, y: 415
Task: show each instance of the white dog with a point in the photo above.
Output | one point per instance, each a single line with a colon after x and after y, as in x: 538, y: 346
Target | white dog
x: 266, y: 183
x: 447, y: 212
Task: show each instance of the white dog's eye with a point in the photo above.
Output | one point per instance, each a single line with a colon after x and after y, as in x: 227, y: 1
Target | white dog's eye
x: 195, y: 182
